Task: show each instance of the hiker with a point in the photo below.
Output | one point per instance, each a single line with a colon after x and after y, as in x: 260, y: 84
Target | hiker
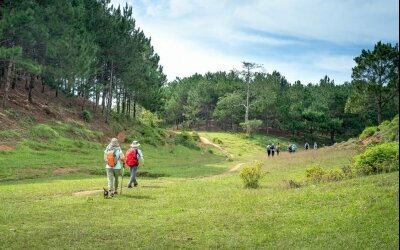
x: 134, y: 156
x: 277, y: 149
x: 294, y: 147
x: 315, y: 145
x: 269, y: 150
x: 290, y: 148
x: 112, y: 156
x: 272, y: 149
x: 306, y: 146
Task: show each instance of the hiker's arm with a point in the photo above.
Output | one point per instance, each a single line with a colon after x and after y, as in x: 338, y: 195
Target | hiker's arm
x: 141, y: 157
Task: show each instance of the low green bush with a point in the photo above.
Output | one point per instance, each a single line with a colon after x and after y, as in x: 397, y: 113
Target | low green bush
x: 251, y: 175
x: 87, y: 115
x: 369, y: 131
x: 315, y: 173
x: 186, y: 140
x: 43, y: 131
x: 333, y: 175
x: 381, y: 158
x: 217, y: 141
x: 8, y: 134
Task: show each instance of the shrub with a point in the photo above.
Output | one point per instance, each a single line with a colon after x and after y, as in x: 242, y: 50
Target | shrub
x: 252, y: 125
x: 369, y: 131
x: 251, y: 175
x: 333, y: 175
x: 195, y: 136
x: 315, y: 173
x: 87, y: 116
x: 347, y: 171
x: 381, y: 158
x: 186, y: 140
x: 217, y: 140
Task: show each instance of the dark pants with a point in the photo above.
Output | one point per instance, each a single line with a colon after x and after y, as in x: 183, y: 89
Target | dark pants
x: 268, y: 152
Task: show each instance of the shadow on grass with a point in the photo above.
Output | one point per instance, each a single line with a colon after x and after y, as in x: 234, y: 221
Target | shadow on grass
x: 137, y: 197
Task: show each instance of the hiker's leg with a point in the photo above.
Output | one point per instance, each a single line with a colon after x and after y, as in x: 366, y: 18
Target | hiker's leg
x: 133, y: 175
x: 130, y: 177
x: 110, y: 178
x: 116, y: 175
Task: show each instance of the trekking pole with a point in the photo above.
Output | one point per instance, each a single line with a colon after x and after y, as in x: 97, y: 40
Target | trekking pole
x: 122, y: 179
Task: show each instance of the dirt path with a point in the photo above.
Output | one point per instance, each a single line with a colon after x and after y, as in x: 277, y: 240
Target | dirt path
x: 121, y: 136
x: 205, y: 141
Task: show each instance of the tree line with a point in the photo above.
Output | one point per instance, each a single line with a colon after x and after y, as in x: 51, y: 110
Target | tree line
x: 84, y: 48
x: 251, y: 100
x: 95, y: 51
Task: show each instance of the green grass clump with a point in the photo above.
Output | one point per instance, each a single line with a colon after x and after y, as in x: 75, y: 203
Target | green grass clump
x: 8, y: 134
x: 43, y: 132
x: 381, y: 158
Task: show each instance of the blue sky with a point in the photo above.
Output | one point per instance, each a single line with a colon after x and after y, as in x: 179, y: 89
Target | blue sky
x: 302, y: 39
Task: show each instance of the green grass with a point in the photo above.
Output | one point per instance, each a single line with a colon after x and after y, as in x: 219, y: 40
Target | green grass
x: 197, y: 204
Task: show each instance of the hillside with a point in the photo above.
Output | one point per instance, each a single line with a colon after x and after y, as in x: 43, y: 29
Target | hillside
x: 20, y: 114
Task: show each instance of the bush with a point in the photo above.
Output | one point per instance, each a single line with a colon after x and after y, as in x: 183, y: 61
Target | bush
x: 217, y: 141
x: 186, y: 140
x: 369, y: 131
x: 87, y: 116
x: 195, y: 136
x: 251, y: 175
x: 333, y: 175
x: 252, y: 125
x: 381, y: 158
x: 315, y: 173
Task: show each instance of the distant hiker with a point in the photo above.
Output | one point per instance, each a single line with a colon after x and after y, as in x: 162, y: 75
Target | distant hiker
x: 290, y: 148
x: 277, y: 149
x: 112, y: 156
x: 134, y: 156
x: 315, y: 145
x: 272, y: 149
x: 269, y: 150
x: 306, y: 146
x: 294, y: 147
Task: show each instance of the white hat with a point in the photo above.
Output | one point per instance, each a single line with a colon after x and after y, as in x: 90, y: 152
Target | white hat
x: 135, y: 144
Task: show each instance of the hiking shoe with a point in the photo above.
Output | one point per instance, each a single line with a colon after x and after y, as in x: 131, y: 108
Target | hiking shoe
x: 135, y: 185
x: 130, y: 186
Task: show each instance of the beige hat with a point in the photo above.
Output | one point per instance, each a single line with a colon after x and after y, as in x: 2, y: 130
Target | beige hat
x: 114, y: 142
x: 135, y: 144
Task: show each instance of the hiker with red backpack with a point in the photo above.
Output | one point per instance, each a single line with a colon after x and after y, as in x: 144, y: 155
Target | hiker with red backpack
x: 112, y: 156
x: 134, y: 156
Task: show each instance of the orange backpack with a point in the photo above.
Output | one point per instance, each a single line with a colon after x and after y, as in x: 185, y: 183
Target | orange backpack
x: 111, y: 158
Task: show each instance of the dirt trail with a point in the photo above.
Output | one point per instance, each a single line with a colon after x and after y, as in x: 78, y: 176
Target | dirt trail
x: 205, y: 141
x: 121, y: 136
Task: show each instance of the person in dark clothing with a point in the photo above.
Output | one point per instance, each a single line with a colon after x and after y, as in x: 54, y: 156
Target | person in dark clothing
x: 269, y: 150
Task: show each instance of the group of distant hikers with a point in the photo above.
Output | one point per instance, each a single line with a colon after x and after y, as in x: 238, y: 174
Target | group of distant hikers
x: 272, y: 148
x: 116, y: 160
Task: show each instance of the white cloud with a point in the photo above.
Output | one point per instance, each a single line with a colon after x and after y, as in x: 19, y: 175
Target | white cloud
x: 197, y: 36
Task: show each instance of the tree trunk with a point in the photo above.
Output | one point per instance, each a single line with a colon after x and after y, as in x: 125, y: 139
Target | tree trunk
x: 7, y: 86
x: 31, y: 86
x: 134, y: 109
x: 43, y: 85
x: 110, y: 89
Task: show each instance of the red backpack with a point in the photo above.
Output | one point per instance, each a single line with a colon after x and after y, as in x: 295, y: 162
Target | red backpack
x: 131, y: 158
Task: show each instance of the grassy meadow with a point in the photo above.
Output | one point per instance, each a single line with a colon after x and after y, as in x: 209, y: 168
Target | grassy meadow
x: 188, y: 199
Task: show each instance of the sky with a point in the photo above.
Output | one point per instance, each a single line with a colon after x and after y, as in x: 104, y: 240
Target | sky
x: 302, y: 39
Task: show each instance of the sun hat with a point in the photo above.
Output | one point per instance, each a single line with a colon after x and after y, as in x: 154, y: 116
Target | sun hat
x: 135, y: 144
x: 114, y: 143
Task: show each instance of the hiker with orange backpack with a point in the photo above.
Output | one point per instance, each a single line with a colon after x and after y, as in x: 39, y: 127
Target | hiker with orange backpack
x: 112, y: 156
x: 134, y: 156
